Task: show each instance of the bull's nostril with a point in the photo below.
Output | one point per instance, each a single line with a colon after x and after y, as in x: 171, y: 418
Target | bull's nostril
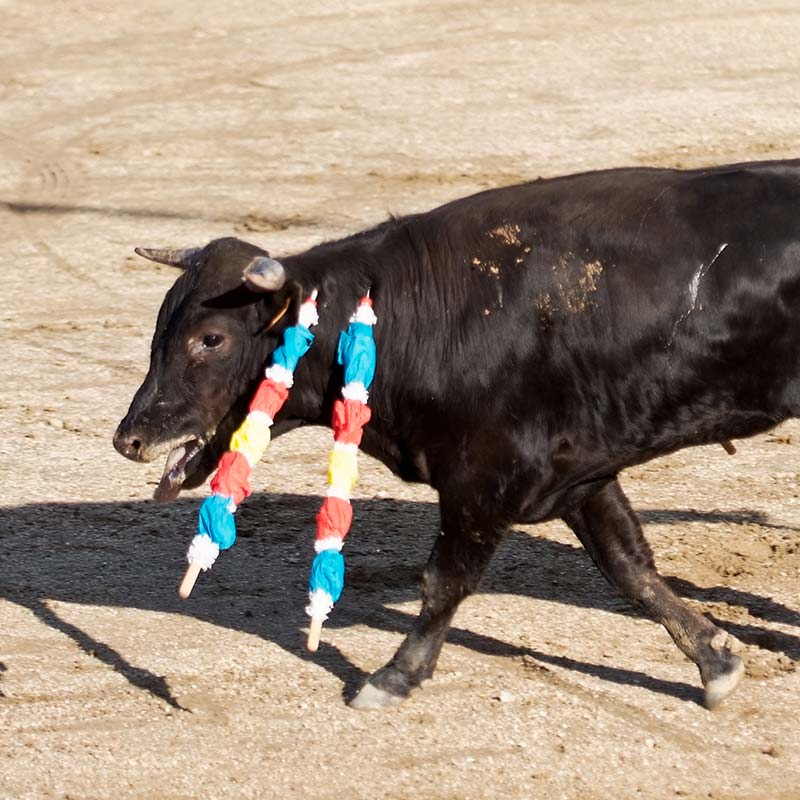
x: 129, y: 446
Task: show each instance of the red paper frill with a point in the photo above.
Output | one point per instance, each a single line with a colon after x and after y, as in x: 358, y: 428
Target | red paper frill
x: 233, y: 477
x: 334, y: 518
x: 269, y: 397
x: 349, y: 419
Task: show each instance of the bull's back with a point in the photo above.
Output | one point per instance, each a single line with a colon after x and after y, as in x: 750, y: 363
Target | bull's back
x: 601, y: 319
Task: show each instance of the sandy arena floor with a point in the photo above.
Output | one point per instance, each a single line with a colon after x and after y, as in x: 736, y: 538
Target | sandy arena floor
x: 161, y: 124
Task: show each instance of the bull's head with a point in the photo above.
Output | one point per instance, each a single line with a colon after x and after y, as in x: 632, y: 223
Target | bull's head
x: 212, y: 337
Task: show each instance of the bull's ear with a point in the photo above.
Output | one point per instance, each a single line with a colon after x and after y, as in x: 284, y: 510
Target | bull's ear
x: 174, y: 258
x: 264, y: 274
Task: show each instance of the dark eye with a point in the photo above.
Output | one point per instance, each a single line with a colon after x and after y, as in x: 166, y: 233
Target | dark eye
x: 212, y: 340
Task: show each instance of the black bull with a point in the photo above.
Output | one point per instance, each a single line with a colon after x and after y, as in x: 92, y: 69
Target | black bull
x: 532, y: 342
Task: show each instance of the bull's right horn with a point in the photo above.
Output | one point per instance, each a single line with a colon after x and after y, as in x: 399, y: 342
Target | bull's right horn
x: 175, y: 258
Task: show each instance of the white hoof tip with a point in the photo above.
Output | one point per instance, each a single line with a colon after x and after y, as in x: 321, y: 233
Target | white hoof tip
x: 718, y: 689
x: 371, y: 697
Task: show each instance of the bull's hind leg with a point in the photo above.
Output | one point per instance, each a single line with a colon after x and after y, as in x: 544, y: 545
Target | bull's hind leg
x: 610, y: 531
x: 456, y: 564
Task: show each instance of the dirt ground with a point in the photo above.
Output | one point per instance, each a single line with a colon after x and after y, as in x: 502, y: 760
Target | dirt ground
x: 162, y: 124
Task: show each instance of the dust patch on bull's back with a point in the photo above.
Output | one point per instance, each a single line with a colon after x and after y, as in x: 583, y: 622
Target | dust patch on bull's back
x: 576, y: 296
x: 573, y: 296
x: 507, y: 233
x: 544, y: 303
x: 489, y: 267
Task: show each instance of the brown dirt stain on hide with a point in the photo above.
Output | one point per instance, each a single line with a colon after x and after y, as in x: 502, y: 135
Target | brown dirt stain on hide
x: 573, y: 296
x: 488, y: 267
x: 576, y: 297
x: 507, y: 234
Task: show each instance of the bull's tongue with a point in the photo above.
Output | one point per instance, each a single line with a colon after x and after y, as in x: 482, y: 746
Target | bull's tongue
x: 175, y: 470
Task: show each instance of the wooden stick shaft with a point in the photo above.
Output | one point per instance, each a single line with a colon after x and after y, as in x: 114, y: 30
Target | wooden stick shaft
x: 187, y: 584
x: 313, y: 634
x: 729, y: 447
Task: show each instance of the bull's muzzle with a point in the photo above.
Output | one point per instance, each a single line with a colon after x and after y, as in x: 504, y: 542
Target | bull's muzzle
x: 128, y: 444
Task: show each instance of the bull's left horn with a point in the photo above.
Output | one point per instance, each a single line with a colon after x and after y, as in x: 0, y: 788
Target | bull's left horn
x: 175, y: 258
x: 264, y: 274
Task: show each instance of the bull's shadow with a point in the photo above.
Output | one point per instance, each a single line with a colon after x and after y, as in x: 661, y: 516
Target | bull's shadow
x: 130, y: 554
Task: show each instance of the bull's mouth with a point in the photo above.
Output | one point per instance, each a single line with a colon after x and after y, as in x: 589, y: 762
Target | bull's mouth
x: 180, y: 462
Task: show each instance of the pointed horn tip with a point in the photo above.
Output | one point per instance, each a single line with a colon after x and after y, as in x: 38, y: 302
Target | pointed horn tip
x: 171, y: 257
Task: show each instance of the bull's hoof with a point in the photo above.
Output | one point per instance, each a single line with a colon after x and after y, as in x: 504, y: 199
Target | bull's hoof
x: 371, y: 697
x: 719, y: 685
x: 387, y: 687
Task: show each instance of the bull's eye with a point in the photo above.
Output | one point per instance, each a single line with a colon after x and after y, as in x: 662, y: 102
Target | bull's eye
x: 212, y: 340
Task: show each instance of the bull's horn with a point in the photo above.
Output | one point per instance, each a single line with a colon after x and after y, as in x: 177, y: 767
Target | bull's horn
x: 175, y: 258
x: 264, y: 274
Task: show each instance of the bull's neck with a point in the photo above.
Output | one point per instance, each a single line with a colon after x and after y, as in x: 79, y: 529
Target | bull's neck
x: 318, y: 378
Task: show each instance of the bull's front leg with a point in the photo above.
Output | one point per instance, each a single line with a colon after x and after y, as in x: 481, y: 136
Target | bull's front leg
x: 610, y: 531
x: 459, y: 558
